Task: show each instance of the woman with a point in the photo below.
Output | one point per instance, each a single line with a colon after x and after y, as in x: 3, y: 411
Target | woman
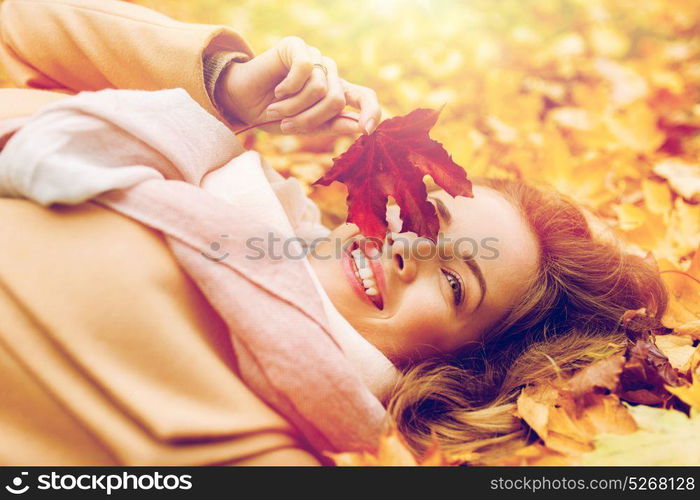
x: 467, y: 328
x: 565, y: 314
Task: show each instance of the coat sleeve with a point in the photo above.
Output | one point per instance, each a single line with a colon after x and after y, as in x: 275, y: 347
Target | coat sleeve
x: 74, y: 45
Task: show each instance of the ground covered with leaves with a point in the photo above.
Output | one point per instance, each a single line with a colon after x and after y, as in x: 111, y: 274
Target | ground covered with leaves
x: 598, y: 99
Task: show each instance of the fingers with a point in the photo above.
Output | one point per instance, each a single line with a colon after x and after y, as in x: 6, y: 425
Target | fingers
x: 330, y: 106
x: 364, y: 99
x: 298, y: 57
x: 315, y: 89
x: 340, y: 125
x: 315, y: 105
x: 309, y: 100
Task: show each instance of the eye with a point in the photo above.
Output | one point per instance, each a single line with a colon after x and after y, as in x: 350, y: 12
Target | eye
x: 455, y: 284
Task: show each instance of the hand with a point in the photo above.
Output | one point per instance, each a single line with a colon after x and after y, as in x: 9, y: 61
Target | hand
x: 282, y: 83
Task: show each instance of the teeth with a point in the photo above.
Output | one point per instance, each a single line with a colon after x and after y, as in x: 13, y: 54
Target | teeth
x: 360, y: 260
x: 366, y: 273
x: 371, y: 251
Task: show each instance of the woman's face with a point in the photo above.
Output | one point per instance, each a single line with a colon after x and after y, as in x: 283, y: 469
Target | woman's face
x: 419, y: 298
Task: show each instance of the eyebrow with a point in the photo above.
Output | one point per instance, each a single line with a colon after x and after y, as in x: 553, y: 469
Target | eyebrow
x: 442, y: 209
x: 469, y: 260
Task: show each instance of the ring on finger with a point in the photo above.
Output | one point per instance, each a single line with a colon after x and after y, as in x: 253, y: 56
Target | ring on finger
x: 322, y: 67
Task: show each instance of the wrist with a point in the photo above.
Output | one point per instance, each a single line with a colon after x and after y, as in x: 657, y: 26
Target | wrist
x: 223, y: 95
x: 217, y: 70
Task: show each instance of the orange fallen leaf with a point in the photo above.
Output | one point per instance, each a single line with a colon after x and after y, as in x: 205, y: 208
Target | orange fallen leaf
x: 678, y: 349
x: 684, y: 295
x: 691, y: 394
x: 603, y: 374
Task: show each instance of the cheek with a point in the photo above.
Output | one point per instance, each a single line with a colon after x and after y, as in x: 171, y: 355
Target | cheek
x: 419, y: 328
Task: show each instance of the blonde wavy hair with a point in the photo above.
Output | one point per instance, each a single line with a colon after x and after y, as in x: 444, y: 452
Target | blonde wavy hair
x: 568, y: 319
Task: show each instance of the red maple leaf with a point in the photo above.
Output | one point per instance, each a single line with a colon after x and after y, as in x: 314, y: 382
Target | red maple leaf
x: 392, y: 161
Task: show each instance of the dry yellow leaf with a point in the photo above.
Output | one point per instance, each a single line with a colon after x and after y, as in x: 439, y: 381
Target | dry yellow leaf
x: 683, y: 177
x: 678, y: 349
x: 684, y: 294
x: 657, y: 198
x: 635, y: 127
x: 691, y: 328
x: 690, y: 395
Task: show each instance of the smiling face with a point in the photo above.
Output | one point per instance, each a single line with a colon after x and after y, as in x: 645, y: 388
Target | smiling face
x: 432, y: 299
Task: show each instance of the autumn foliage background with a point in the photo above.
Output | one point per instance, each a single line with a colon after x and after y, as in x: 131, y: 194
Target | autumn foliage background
x: 597, y: 98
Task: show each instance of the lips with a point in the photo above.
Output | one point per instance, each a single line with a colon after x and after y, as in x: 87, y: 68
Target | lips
x: 362, y: 266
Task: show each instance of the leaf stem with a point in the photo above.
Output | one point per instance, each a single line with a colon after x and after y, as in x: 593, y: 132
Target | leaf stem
x: 249, y: 127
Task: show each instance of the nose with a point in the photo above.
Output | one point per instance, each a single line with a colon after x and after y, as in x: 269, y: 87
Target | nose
x: 408, y: 251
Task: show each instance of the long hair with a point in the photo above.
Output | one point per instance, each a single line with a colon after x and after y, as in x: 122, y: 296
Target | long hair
x: 568, y: 318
